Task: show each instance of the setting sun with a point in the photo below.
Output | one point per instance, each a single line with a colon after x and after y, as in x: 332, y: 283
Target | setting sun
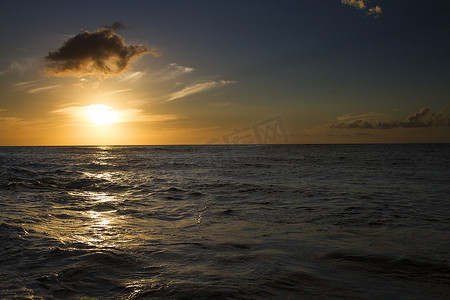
x: 101, y: 114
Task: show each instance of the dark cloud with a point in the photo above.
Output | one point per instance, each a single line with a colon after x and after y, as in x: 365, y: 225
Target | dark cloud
x: 103, y: 52
x: 354, y: 124
x: 419, y: 119
x: 116, y: 26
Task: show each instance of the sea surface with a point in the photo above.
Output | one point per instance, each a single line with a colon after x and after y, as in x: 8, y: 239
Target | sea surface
x: 225, y: 222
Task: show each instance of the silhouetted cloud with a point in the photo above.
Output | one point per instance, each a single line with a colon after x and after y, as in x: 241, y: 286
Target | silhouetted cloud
x: 363, y: 5
x: 354, y: 124
x: 103, y: 52
x: 116, y: 26
x: 419, y: 119
x: 197, y: 88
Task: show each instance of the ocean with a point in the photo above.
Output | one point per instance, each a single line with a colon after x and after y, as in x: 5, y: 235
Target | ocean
x: 225, y: 222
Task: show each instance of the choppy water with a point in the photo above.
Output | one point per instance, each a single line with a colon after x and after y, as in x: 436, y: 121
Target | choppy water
x: 241, y: 222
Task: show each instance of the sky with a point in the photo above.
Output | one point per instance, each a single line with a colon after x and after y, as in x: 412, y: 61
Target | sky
x: 215, y: 72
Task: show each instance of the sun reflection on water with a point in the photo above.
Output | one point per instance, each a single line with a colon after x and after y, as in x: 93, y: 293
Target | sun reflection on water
x: 90, y: 212
x: 99, y: 229
x: 99, y: 224
x: 102, y: 156
x: 103, y: 175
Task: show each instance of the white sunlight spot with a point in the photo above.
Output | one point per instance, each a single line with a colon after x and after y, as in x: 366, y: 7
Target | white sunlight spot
x: 101, y: 114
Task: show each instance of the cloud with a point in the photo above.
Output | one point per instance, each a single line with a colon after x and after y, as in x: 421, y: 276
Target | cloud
x: 363, y: 5
x: 171, y: 71
x: 132, y: 76
x: 103, y: 52
x: 354, y: 124
x: 174, y: 70
x: 419, y: 119
x: 25, y: 83
x: 375, y: 10
x: 43, y: 89
x: 359, y: 4
x: 2, y: 109
x: 116, y: 26
x: 197, y: 88
x: 138, y: 115
x: 348, y: 117
x: 33, y: 86
x: 116, y: 92
x: 10, y: 119
x: 24, y: 65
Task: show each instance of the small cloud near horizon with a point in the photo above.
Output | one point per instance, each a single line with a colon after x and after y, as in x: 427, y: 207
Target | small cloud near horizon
x: 102, y: 53
x: 348, y: 117
x: 416, y: 120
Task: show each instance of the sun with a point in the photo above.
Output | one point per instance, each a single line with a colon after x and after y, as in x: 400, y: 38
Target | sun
x: 100, y: 114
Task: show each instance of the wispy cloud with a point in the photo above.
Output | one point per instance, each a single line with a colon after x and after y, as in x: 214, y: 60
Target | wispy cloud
x: 348, y: 117
x: 113, y: 92
x: 138, y: 115
x: 20, y: 123
x: 222, y: 104
x: 132, y: 76
x: 423, y: 118
x: 43, y: 89
x: 24, y: 65
x: 198, y: 88
x: 10, y: 119
x: 2, y: 109
x: 25, y: 83
x: 174, y: 70
x: 103, y: 52
x: 364, y: 6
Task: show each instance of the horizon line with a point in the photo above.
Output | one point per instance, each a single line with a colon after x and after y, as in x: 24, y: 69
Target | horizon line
x: 255, y: 144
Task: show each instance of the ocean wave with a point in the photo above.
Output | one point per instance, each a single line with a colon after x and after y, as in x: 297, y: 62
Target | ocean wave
x: 404, y: 268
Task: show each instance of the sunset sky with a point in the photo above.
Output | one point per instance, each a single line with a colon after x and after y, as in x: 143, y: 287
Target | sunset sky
x: 195, y: 72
